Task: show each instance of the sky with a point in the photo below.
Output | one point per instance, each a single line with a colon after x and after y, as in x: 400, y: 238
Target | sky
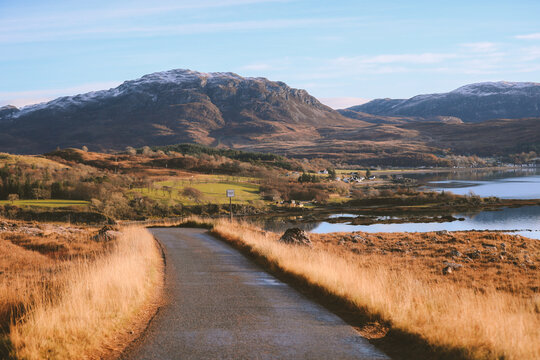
x: 342, y: 52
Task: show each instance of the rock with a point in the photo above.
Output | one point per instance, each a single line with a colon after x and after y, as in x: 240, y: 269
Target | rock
x: 295, y: 236
x: 489, y: 246
x: 453, y: 265
x: 450, y: 267
x: 474, y: 254
x: 442, y: 232
x: 357, y: 238
x: 447, y: 270
x: 455, y: 253
x: 106, y: 233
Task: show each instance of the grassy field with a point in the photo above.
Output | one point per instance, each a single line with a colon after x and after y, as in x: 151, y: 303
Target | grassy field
x: 45, y: 203
x: 213, y: 189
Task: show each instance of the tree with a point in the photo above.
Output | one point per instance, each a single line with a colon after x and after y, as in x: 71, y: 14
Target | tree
x: 146, y: 151
x: 332, y: 174
x: 39, y: 193
x: 304, y: 178
x: 13, y: 197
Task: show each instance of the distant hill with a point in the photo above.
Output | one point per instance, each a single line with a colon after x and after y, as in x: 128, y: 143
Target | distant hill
x: 167, y: 108
x: 470, y: 103
x: 225, y: 110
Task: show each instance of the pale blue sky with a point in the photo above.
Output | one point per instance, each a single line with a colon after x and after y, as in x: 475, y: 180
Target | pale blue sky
x: 334, y: 49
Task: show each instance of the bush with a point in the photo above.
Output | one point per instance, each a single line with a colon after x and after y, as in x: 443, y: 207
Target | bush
x: 192, y: 193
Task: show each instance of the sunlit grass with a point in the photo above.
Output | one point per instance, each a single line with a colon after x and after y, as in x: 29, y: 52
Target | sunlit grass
x: 37, y: 161
x: 45, y: 203
x: 213, y: 190
x: 96, y: 305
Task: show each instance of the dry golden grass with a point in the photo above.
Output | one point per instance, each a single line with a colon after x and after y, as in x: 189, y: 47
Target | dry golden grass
x: 75, y: 298
x: 486, y: 260
x: 33, y: 259
x: 488, y: 324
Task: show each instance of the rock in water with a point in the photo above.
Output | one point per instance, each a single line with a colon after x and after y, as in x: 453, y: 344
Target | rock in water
x: 296, y: 236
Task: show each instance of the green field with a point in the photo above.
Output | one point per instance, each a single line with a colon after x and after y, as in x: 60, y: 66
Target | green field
x: 45, y: 203
x: 213, y: 190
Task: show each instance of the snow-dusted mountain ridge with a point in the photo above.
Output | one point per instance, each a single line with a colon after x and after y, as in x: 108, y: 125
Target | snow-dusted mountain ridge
x: 170, y: 107
x: 179, y: 78
x: 471, y: 103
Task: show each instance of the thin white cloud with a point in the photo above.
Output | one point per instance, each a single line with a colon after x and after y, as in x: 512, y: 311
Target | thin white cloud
x: 342, y: 102
x: 111, y: 31
x: 535, y: 36
x: 531, y: 53
x: 59, y: 18
x: 257, y: 67
x: 424, y: 58
x: 23, y: 98
x: 481, y: 47
x: 389, y: 63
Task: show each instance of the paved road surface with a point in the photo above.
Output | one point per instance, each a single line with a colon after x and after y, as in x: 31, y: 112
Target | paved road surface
x: 222, y: 306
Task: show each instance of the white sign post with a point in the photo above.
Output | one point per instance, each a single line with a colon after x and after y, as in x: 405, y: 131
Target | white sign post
x: 230, y: 195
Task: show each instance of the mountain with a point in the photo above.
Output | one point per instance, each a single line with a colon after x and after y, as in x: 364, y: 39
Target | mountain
x: 380, y: 119
x: 470, y: 103
x: 171, y: 107
x: 255, y: 114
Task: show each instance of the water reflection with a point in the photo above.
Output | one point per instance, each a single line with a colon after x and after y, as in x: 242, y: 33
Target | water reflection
x: 510, y: 184
x: 505, y: 184
x: 280, y: 224
x: 525, y: 221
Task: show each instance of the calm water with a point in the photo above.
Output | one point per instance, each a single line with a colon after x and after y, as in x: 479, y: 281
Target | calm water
x: 511, y: 184
x: 524, y: 221
x: 507, y: 184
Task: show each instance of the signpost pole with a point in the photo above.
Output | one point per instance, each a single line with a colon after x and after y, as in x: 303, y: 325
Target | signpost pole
x: 230, y: 195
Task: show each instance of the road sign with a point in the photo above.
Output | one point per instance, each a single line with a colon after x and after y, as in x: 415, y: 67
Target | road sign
x: 230, y: 193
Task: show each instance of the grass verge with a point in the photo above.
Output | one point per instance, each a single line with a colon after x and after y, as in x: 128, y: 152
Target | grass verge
x: 414, y: 317
x: 99, y: 305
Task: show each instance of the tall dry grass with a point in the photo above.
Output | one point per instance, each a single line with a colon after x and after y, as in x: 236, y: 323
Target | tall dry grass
x: 97, y: 306
x: 490, y: 325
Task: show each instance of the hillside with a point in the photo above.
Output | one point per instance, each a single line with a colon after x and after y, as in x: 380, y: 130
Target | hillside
x: 167, y: 108
x: 225, y: 110
x: 470, y: 103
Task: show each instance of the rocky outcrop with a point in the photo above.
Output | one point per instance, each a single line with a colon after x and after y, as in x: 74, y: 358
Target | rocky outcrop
x: 106, y: 233
x: 296, y: 236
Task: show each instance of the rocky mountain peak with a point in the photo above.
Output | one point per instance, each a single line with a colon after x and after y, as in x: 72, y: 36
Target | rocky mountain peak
x: 471, y: 103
